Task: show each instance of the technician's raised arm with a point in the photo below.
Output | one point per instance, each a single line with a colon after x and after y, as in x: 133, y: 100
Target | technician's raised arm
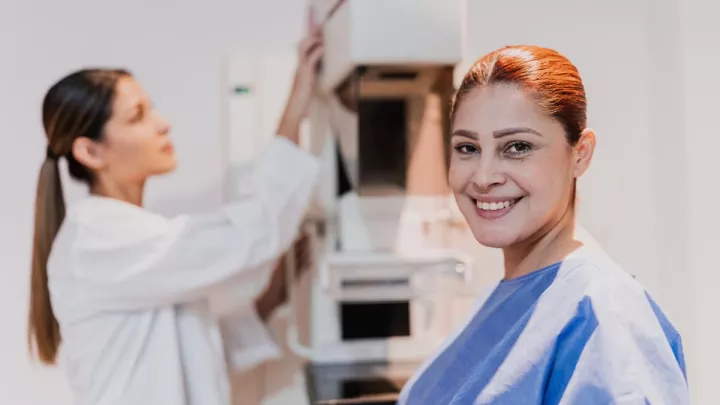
x: 159, y: 262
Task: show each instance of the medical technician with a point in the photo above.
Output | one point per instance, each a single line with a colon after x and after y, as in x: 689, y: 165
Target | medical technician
x: 566, y: 324
x: 127, y: 291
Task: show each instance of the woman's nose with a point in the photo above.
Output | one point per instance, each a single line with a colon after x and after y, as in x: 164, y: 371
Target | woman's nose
x: 163, y: 125
x: 487, y: 176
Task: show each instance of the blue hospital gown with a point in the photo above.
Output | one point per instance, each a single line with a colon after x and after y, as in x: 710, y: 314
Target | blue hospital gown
x: 578, y: 332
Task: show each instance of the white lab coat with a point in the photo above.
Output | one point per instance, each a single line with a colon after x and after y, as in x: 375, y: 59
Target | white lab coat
x: 131, y: 289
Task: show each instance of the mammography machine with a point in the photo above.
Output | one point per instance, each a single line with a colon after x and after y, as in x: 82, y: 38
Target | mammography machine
x: 389, y: 263
x: 389, y: 240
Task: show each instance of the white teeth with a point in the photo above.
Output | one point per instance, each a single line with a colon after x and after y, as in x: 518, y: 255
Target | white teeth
x: 493, y: 206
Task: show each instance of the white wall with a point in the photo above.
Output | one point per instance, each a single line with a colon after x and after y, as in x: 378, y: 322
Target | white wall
x: 648, y: 67
x: 699, y: 60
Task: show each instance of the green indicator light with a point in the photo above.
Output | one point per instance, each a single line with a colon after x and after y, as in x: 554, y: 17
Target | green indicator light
x: 242, y: 90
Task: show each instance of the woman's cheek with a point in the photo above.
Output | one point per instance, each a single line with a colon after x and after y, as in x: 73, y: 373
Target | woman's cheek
x: 460, y: 174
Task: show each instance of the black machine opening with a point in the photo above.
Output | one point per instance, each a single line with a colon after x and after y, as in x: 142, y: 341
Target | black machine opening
x: 382, y: 144
x: 355, y: 389
x: 375, y: 320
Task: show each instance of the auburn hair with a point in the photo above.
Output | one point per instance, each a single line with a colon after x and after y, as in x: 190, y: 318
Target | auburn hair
x: 547, y: 75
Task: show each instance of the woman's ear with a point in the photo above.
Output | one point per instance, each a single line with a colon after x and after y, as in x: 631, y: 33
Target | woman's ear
x: 88, y: 153
x: 583, y: 152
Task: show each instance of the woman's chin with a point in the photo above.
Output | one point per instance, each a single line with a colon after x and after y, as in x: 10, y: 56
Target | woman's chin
x: 170, y: 169
x: 495, y: 244
x: 166, y: 168
x: 496, y: 240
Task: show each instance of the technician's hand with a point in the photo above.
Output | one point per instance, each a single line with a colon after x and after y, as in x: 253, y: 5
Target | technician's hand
x: 303, y: 255
x: 275, y: 294
x: 310, y: 53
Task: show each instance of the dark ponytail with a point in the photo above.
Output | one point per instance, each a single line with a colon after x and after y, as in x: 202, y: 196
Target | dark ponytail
x: 49, y: 214
x: 77, y: 106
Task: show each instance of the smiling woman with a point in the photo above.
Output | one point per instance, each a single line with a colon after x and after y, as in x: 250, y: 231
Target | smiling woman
x: 566, y: 325
x: 516, y: 145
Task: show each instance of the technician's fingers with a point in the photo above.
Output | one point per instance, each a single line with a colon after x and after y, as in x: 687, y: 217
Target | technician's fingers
x: 308, y: 44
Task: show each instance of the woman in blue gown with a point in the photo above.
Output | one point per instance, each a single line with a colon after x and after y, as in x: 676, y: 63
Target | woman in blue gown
x: 566, y: 325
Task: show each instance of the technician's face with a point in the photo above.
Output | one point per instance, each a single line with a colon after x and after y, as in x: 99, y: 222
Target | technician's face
x: 135, y: 141
x: 511, y: 169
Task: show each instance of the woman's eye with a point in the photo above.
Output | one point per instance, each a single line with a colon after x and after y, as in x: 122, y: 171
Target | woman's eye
x: 139, y: 115
x: 518, y: 148
x: 465, y: 149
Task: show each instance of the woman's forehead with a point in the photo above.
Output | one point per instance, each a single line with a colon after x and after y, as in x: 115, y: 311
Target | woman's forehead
x: 128, y: 94
x: 491, y: 108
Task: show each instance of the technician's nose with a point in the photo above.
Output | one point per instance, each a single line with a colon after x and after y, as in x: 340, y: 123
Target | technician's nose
x: 163, y: 125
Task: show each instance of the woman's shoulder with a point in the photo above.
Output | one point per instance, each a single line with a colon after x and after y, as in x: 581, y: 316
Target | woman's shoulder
x: 596, y: 273
x: 612, y: 294
x: 619, y: 310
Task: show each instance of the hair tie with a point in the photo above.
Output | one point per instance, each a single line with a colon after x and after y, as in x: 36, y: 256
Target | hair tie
x: 49, y: 154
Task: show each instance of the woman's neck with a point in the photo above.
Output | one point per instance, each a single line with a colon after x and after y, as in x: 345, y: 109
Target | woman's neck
x: 549, y: 246
x: 131, y: 193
